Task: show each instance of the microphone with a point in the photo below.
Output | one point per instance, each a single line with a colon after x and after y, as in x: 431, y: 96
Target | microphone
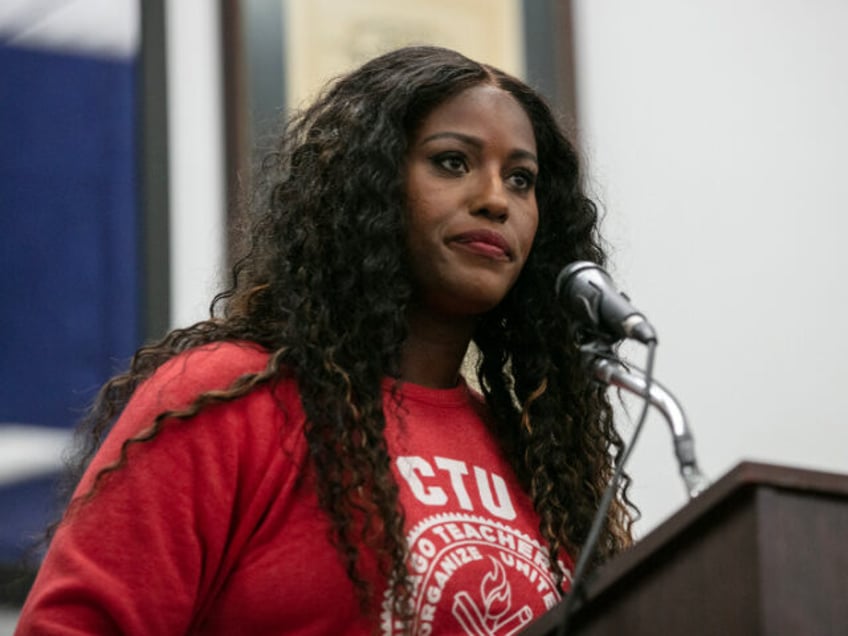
x: 587, y: 291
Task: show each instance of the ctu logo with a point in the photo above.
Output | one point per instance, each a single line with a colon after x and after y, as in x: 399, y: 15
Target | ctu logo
x: 423, y: 481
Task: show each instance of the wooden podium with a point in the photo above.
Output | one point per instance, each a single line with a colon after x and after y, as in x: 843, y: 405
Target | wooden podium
x: 763, y: 551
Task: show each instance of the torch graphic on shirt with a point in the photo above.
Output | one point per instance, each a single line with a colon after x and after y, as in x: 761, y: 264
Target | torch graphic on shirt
x: 491, y: 616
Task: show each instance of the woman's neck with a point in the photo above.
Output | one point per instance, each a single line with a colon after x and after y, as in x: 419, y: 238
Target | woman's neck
x: 434, y: 349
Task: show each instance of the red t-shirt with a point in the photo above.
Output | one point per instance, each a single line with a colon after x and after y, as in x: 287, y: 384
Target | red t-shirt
x: 213, y: 527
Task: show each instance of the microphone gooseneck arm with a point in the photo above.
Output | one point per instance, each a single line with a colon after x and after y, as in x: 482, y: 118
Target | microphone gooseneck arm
x: 611, y: 371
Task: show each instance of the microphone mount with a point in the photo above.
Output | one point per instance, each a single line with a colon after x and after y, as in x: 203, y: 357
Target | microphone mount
x: 605, y: 366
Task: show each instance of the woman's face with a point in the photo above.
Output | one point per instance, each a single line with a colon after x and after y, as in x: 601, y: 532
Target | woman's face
x: 471, y: 200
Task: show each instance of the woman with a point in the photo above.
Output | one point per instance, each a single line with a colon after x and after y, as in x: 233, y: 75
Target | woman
x: 310, y: 460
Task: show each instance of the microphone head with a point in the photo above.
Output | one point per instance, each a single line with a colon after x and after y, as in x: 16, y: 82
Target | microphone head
x: 590, y: 296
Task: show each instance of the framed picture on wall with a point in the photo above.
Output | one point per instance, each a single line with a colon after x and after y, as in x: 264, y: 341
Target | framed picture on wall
x: 324, y: 38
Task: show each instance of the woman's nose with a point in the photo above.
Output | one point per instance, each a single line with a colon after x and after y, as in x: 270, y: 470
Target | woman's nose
x: 491, y: 198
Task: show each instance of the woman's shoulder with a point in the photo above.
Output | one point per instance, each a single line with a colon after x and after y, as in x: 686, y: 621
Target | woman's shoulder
x: 211, y: 364
x: 206, y: 368
x: 207, y: 426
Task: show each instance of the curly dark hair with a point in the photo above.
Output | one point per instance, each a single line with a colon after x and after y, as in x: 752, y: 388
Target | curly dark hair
x: 324, y: 285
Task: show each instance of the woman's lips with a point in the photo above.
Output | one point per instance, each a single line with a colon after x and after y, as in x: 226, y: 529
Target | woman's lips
x: 484, y: 243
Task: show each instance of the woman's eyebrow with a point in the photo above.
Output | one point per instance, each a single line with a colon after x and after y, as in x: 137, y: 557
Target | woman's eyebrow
x: 471, y: 140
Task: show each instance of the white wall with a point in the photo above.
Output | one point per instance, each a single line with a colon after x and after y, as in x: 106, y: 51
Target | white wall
x: 716, y: 134
x: 91, y: 27
x: 196, y: 155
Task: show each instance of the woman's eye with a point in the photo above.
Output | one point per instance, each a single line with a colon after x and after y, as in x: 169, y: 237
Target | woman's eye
x: 523, y: 180
x: 452, y: 163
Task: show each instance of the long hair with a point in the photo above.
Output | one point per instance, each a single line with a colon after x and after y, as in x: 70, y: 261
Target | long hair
x: 324, y: 285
